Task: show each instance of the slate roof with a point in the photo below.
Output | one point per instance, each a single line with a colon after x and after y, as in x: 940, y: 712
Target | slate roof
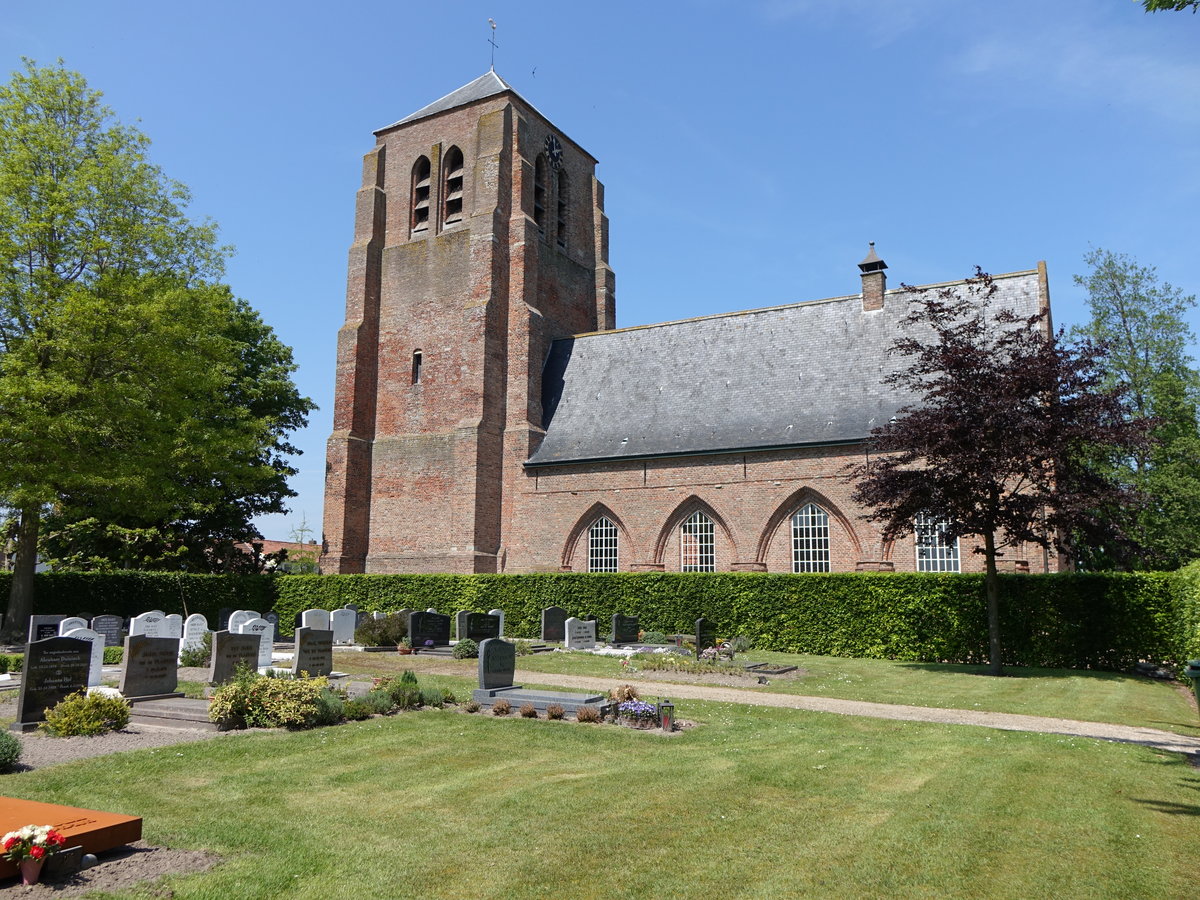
x: 786, y: 376
x: 487, y: 85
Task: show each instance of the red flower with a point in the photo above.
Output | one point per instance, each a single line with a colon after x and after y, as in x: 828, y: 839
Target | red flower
x: 55, y: 838
x: 37, y: 852
x: 11, y: 842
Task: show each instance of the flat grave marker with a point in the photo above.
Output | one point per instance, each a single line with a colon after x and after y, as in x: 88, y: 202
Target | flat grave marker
x: 90, y: 829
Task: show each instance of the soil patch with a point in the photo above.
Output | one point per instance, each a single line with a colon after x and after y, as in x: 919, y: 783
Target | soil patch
x: 124, y: 868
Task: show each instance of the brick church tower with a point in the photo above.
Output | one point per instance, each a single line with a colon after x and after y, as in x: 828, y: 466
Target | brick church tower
x: 479, y: 238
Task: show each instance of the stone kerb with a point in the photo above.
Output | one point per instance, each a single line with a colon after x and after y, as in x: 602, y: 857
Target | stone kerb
x: 580, y: 634
x: 151, y: 666
x: 54, y: 667
x: 341, y: 623
x: 96, y: 663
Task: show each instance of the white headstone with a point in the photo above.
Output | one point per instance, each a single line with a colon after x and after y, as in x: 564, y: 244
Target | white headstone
x: 239, y: 618
x: 342, y: 622
x: 434, y: 611
x: 173, y: 626
x: 580, y: 634
x: 96, y: 639
x: 194, y: 630
x: 500, y: 613
x: 378, y: 615
x: 317, y: 619
x: 265, y: 631
x: 148, y: 623
x: 71, y: 623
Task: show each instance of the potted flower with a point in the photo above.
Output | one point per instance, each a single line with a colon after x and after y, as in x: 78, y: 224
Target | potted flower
x: 29, y: 847
x: 405, y: 647
x: 637, y: 714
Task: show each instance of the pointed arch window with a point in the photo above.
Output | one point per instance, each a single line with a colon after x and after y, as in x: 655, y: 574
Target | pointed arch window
x: 697, y: 544
x: 452, y: 186
x: 936, y: 550
x: 602, y: 546
x: 562, y: 197
x: 420, y: 195
x: 539, y: 192
x: 810, y: 539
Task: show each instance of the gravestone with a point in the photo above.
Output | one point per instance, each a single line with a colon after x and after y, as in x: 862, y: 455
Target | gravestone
x: 112, y: 627
x: 150, y: 666
x: 404, y: 614
x: 229, y: 649
x: 341, y: 623
x: 554, y: 621
x: 241, y: 617
x: 580, y: 634
x: 432, y: 610
x: 460, y: 624
x: 480, y: 627
x: 96, y: 640
x: 148, y: 624
x: 500, y: 614
x: 359, y: 618
x: 223, y: 615
x: 428, y: 626
x: 194, y: 629
x: 706, y: 635
x: 353, y: 606
x: 43, y: 627
x: 261, y: 628
x: 377, y: 615
x: 54, y: 667
x: 173, y: 626
x: 316, y: 619
x: 71, y: 623
x: 497, y: 663
x: 624, y: 629
x: 314, y: 651
x: 273, y: 618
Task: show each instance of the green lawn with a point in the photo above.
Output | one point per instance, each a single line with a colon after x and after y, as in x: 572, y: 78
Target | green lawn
x: 1090, y: 696
x: 755, y: 802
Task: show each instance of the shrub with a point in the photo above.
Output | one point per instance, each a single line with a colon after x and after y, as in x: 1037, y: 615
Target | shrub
x: 11, y: 662
x: 357, y: 709
x: 448, y: 697
x: 654, y: 637
x: 10, y: 751
x: 472, y: 706
x: 380, y: 701
x: 331, y: 707
x: 434, y: 697
x: 587, y: 714
x: 529, y: 711
x: 740, y: 643
x: 386, y: 632
x: 501, y: 707
x: 86, y: 714
x: 623, y: 692
x: 466, y: 649
x: 113, y: 655
x: 251, y: 700
x: 192, y: 656
x: 555, y: 711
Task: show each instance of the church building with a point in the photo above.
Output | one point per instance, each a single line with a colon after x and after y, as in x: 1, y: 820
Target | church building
x: 489, y: 417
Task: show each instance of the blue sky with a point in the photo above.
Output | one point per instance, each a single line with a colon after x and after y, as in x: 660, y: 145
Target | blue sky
x: 750, y: 149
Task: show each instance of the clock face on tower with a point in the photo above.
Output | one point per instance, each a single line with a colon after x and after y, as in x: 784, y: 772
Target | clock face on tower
x: 554, y: 151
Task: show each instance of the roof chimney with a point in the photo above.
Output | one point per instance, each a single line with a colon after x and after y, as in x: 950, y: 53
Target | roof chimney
x: 874, y: 282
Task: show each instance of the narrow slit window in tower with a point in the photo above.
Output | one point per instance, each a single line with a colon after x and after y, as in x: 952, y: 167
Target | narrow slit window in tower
x: 452, y: 189
x: 420, y: 194
x: 416, y: 367
x: 562, y: 209
x: 539, y: 192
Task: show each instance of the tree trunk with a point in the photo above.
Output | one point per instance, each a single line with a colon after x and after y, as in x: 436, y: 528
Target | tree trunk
x: 991, y: 584
x: 20, y: 596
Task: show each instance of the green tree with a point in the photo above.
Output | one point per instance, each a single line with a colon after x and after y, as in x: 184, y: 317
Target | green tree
x: 1170, y: 5
x: 1142, y: 324
x: 125, y: 370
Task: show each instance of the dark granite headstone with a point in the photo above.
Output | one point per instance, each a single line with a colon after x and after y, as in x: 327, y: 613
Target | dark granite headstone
x: 427, y: 626
x: 706, y: 635
x: 223, y: 617
x: 229, y: 649
x: 360, y: 619
x: 554, y: 624
x: 482, y: 627
x: 497, y: 663
x: 42, y: 627
x: 112, y: 627
x: 54, y: 668
x: 298, y: 620
x: 624, y: 629
x: 353, y: 606
x: 314, y: 652
x: 150, y: 666
x: 273, y: 618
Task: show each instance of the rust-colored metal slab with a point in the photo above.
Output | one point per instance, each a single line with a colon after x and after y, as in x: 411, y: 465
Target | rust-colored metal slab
x: 95, y: 831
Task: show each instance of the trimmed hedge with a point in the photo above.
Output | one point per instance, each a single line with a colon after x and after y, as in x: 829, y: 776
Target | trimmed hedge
x: 1100, y: 621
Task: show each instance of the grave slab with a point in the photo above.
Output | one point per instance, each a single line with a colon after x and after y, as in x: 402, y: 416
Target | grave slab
x: 92, y: 829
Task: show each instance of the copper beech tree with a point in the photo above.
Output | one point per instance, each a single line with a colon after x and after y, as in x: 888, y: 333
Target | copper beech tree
x: 1004, y: 438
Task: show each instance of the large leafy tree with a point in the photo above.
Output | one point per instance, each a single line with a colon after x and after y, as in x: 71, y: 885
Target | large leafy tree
x: 127, y: 375
x: 994, y: 445
x: 1142, y: 323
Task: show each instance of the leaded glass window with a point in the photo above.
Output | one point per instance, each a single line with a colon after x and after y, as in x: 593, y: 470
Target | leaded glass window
x: 697, y: 544
x: 936, y: 550
x: 602, y: 546
x: 810, y: 539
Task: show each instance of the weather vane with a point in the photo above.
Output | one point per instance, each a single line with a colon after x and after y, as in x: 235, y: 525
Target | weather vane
x: 492, y: 41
